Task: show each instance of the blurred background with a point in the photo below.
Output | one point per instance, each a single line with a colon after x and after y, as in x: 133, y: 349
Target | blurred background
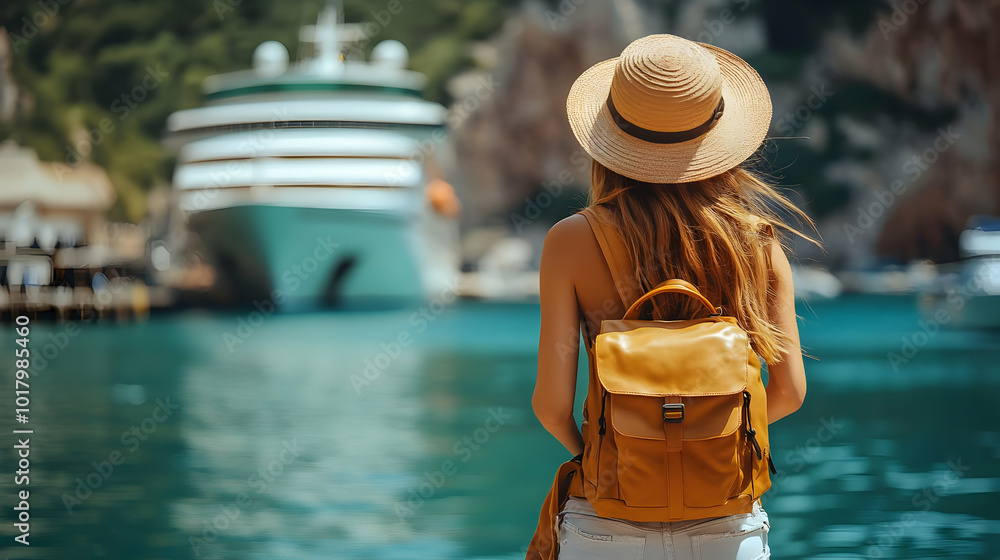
x: 280, y: 265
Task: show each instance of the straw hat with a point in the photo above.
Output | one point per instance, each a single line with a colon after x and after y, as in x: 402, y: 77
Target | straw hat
x: 669, y: 110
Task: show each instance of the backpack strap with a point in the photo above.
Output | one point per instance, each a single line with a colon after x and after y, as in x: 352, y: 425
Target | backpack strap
x: 615, y: 253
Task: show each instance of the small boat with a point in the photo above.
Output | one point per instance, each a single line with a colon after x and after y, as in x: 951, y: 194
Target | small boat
x: 969, y: 295
x: 318, y: 183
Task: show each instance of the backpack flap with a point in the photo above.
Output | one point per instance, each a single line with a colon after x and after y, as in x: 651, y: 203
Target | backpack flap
x: 700, y: 357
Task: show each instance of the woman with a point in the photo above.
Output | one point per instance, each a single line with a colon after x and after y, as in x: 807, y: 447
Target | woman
x: 668, y: 125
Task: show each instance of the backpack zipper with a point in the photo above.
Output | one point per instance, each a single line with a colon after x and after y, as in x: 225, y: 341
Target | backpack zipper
x: 600, y: 441
x: 750, y: 431
x: 600, y: 421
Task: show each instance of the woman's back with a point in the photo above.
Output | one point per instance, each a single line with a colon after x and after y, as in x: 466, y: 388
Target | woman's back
x: 578, y: 291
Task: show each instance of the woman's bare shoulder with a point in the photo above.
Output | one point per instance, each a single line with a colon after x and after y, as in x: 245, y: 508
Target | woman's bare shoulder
x: 568, y: 228
x: 566, y: 239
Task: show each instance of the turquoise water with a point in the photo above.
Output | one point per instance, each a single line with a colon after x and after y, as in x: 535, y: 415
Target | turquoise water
x: 435, y: 453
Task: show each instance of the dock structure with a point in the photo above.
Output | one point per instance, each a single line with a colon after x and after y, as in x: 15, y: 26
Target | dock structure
x: 58, y: 254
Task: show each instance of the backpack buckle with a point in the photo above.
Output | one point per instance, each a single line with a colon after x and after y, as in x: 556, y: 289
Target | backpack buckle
x: 673, y: 412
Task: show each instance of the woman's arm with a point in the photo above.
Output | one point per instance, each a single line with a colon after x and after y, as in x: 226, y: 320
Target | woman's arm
x: 786, y: 385
x: 558, y: 341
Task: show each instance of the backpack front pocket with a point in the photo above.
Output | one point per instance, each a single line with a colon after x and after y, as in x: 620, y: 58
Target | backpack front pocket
x: 710, y: 467
x: 712, y: 470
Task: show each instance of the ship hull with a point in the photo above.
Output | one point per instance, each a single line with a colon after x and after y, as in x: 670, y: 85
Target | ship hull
x: 300, y: 258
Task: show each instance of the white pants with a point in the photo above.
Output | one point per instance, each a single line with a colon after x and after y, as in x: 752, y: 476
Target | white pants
x: 585, y: 536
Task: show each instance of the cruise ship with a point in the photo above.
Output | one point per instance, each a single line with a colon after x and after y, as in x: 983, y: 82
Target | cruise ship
x: 319, y: 182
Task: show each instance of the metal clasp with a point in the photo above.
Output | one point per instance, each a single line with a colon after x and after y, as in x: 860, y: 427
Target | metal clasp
x: 673, y: 412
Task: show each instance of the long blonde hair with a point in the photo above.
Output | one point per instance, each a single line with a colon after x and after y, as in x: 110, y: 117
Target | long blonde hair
x: 715, y: 233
